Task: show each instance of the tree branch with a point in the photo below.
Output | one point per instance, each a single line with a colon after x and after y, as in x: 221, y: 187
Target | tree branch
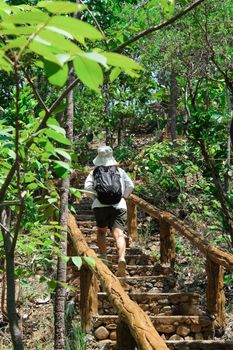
x: 158, y: 27
x: 36, y: 92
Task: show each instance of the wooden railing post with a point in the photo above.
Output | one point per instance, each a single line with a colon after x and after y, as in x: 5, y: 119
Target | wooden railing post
x: 215, y: 293
x: 125, y: 340
x: 132, y: 221
x: 88, y: 297
x: 167, y: 243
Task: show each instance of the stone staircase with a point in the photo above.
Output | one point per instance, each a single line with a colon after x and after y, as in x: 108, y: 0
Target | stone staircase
x: 176, y: 315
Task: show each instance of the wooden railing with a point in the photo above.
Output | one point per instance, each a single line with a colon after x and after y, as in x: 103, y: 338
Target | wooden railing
x: 134, y: 326
x: 216, y: 259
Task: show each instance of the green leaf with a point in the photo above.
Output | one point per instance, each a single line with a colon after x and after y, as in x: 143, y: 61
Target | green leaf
x: 63, y: 153
x: 56, y: 75
x: 77, y: 261
x: 25, y: 30
x: 75, y: 192
x: 52, y: 134
x: 89, y: 72
x: 59, y: 7
x: 29, y: 17
x: 75, y: 27
x: 43, y: 51
x: 89, y: 261
x: 57, y: 40
x: 115, y: 73
x: 18, y: 42
x: 56, y: 128
x: 52, y: 200
x: 94, y: 56
x: 52, y: 121
x: 63, y: 165
x: 65, y: 259
x: 168, y: 7
x: 5, y: 65
x: 118, y: 60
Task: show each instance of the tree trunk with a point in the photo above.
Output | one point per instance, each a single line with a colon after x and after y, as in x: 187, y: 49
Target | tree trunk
x: 229, y: 144
x: 106, y: 111
x: 172, y: 106
x: 10, y: 277
x: 59, y: 337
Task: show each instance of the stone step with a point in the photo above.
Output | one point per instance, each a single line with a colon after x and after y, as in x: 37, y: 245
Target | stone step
x: 200, y: 345
x: 87, y: 224
x: 186, y: 327
x: 113, y: 250
x: 144, y: 270
x: 177, y: 345
x: 144, y: 284
x: 132, y: 259
x: 156, y: 303
x: 81, y: 211
x: 84, y: 217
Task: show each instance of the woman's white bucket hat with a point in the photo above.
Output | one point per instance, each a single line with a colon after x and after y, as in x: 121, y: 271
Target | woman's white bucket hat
x: 104, y: 157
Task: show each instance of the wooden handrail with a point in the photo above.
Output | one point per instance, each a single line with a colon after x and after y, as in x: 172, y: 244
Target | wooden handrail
x: 138, y: 322
x: 214, y: 254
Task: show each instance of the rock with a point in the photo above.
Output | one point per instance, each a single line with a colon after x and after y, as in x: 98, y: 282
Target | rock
x: 176, y: 337
x: 199, y: 336
x: 183, y: 331
x: 165, y: 328
x: 113, y: 335
x: 111, y: 326
x: 101, y: 333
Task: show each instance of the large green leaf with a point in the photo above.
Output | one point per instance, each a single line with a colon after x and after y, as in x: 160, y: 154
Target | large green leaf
x: 56, y: 128
x: 63, y: 165
x: 75, y: 27
x: 43, y: 51
x: 29, y: 17
x: 56, y: 75
x: 89, y: 72
x: 15, y: 43
x: 95, y: 56
x: 57, y: 40
x: 24, y: 30
x: 54, y: 135
x: 118, y: 60
x: 63, y: 153
x: 59, y: 7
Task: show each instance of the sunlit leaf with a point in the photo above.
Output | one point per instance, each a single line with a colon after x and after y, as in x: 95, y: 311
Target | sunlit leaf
x: 56, y: 75
x: 89, y: 72
x: 28, y: 17
x: 115, y: 73
x: 75, y: 192
x: 77, y: 261
x: 75, y: 27
x: 43, y: 51
x: 168, y: 7
x: 59, y: 7
x: 89, y: 261
x: 63, y: 153
x: 52, y: 134
x: 118, y: 60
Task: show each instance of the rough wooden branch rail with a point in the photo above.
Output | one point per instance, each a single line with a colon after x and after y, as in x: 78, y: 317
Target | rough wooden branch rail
x: 212, y: 253
x: 129, y: 312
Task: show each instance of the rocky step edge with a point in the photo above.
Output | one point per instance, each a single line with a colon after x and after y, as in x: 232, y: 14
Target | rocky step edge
x: 166, y: 304
x: 169, y: 327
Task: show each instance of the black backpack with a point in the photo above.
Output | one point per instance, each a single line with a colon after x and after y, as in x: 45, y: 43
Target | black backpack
x: 107, y: 184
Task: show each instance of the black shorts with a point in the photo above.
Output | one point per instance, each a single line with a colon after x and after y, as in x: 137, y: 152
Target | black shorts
x: 110, y: 217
